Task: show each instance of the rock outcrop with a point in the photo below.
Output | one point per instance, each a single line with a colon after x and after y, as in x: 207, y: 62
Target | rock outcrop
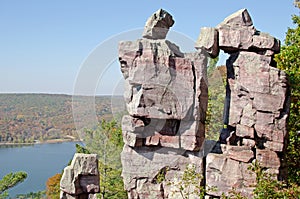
x: 166, y: 98
x: 80, y: 180
x: 157, y: 26
x: 165, y: 94
x: 256, y: 109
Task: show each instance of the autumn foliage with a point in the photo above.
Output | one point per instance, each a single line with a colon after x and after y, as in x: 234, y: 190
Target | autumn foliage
x: 52, y: 186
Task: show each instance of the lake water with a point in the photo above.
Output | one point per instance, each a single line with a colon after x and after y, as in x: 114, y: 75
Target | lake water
x: 39, y: 161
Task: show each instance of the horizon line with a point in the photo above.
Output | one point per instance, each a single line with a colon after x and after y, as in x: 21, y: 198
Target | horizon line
x: 45, y: 93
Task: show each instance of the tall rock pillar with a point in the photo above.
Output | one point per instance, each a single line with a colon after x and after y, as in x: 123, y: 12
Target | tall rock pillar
x: 256, y: 108
x: 166, y: 98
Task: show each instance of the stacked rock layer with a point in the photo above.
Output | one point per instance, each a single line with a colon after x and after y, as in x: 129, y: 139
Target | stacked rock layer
x: 256, y: 105
x: 80, y: 180
x: 166, y: 98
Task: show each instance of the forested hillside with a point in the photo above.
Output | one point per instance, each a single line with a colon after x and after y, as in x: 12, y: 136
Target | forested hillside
x: 28, y: 118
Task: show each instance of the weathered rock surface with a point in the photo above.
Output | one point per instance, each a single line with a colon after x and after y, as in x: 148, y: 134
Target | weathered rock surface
x: 239, y: 18
x: 224, y: 174
x: 157, y: 26
x: 165, y: 93
x: 268, y: 158
x: 238, y: 153
x: 166, y: 98
x: 208, y: 39
x: 160, y: 81
x: 149, y: 169
x: 257, y: 107
x: 81, y: 178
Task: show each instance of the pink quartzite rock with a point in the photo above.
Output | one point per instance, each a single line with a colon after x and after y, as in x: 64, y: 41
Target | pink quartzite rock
x: 233, y: 38
x: 268, y: 159
x: 157, y: 26
x: 224, y: 174
x: 167, y: 89
x: 238, y: 153
x: 166, y: 98
x: 239, y: 18
x: 244, y: 131
x: 274, y: 146
x: 208, y: 39
x: 265, y: 41
x: 81, y: 178
x: 248, y: 142
x: 160, y: 82
x: 256, y: 109
x: 142, y: 166
x: 237, y: 33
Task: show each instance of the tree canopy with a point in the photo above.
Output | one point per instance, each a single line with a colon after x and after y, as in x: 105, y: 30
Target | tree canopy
x: 10, y: 180
x: 289, y: 60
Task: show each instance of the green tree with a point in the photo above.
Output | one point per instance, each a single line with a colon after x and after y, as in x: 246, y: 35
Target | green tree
x: 107, y: 142
x: 216, y: 98
x: 267, y: 186
x: 81, y: 149
x: 189, y: 184
x: 32, y: 195
x: 10, y: 180
x: 289, y: 60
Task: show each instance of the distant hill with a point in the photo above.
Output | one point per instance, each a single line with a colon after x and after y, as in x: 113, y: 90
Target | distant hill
x: 28, y: 118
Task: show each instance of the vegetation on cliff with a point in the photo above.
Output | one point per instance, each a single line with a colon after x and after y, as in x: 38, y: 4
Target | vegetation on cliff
x: 107, y: 142
x: 10, y: 180
x: 289, y: 60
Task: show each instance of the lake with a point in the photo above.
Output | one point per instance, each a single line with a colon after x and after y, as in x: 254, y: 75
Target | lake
x: 39, y: 161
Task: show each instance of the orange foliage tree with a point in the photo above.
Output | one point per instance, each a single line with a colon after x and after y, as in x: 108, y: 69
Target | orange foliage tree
x: 53, y: 186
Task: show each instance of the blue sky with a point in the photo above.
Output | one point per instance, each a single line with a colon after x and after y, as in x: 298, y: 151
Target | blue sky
x: 43, y: 44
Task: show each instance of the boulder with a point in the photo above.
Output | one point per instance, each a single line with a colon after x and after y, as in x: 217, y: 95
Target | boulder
x: 81, y: 178
x: 208, y: 39
x: 240, y: 18
x: 274, y: 146
x: 232, y: 39
x: 157, y: 26
x: 248, y: 142
x: 264, y: 41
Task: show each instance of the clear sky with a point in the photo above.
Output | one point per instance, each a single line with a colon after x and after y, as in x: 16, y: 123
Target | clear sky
x: 43, y: 44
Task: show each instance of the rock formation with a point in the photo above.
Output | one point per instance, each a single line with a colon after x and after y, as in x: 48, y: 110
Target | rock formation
x: 80, y: 180
x: 256, y: 109
x: 158, y: 25
x: 166, y: 98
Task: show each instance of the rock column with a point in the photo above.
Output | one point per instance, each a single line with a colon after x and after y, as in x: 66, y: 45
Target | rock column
x: 256, y: 108
x: 166, y: 98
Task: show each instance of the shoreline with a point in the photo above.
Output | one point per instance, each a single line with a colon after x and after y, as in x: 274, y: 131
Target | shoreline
x: 53, y: 141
